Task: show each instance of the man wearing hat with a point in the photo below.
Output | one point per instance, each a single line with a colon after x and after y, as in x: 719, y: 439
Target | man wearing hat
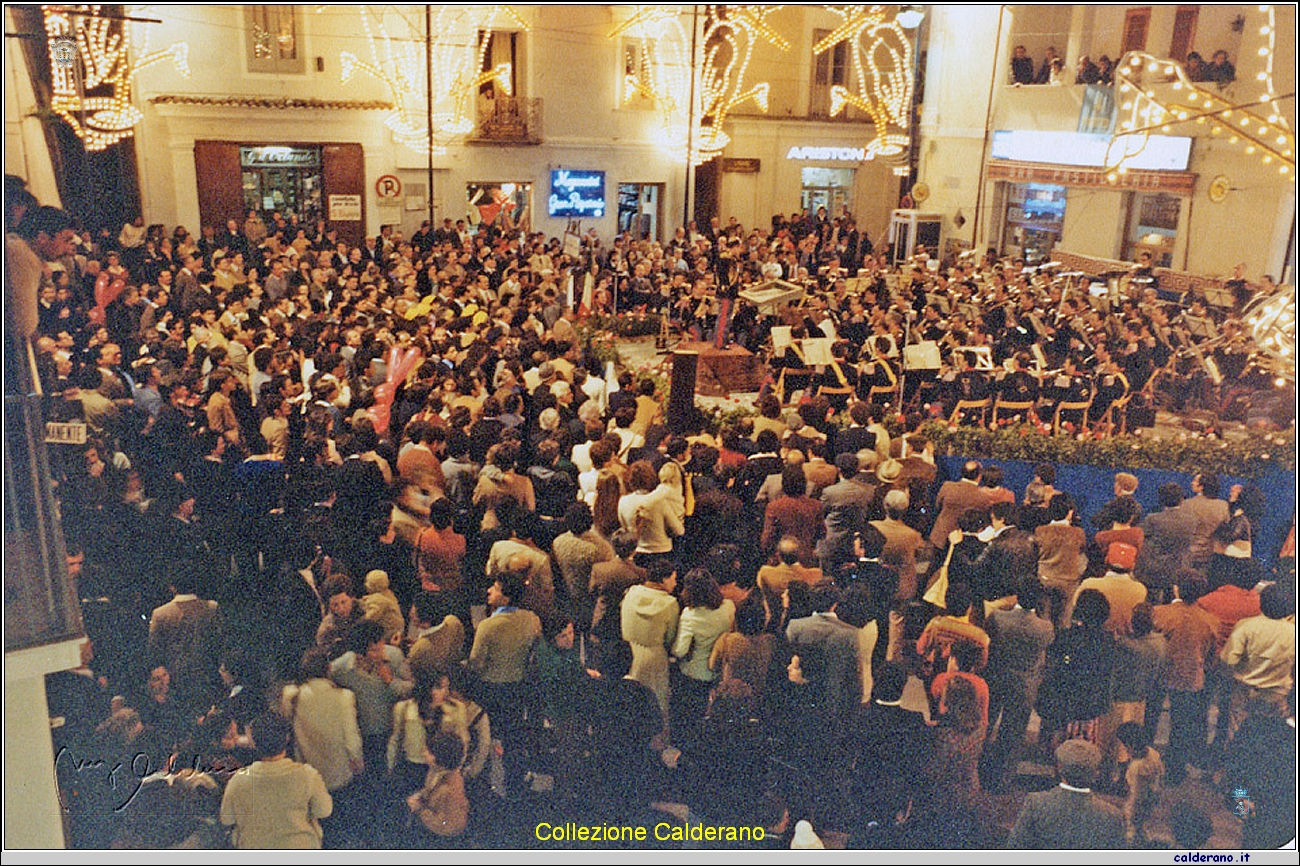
x: 1119, y: 586
x: 1070, y: 815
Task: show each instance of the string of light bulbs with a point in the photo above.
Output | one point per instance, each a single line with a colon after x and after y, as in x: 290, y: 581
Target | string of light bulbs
x: 1149, y: 110
x: 884, y: 90
x: 92, y: 72
x: 457, y: 46
x: 664, y: 71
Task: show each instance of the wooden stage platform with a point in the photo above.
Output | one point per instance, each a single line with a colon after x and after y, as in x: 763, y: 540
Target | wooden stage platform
x: 724, y: 371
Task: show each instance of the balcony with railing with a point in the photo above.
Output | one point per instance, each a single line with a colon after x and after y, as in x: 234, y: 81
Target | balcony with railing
x: 509, y: 120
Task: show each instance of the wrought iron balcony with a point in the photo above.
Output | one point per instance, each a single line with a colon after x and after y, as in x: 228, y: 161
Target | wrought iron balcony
x: 508, y: 120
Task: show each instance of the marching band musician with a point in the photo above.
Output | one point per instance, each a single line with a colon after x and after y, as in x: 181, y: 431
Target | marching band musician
x: 1015, y: 384
x: 1069, y: 385
x: 1112, y: 384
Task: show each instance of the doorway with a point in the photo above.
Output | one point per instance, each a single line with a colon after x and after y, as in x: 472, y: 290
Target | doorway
x: 638, y: 209
x: 831, y: 188
x: 284, y: 179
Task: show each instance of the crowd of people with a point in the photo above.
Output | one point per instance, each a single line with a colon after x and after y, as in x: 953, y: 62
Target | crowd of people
x: 371, y: 552
x: 1052, y: 70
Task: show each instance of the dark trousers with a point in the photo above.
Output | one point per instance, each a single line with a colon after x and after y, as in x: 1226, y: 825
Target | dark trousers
x: 1186, y: 732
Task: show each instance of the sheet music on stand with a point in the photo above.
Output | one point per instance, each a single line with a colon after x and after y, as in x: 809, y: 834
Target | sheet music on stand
x: 1220, y: 296
x: 816, y: 351
x: 981, y: 357
x: 939, y: 302
x: 1200, y: 327
x: 781, y: 340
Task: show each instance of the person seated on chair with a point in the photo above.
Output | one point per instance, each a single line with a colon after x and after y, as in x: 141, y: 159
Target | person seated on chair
x: 1070, y: 385
x: 1112, y: 384
x: 1016, y: 384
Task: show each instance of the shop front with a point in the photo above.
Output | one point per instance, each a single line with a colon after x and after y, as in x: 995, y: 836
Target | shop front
x: 1086, y: 201
x: 315, y: 181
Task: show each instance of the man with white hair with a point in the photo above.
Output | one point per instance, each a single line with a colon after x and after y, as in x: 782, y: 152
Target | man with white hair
x: 901, y: 544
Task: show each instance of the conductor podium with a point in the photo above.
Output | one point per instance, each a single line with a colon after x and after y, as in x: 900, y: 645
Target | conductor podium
x: 720, y: 372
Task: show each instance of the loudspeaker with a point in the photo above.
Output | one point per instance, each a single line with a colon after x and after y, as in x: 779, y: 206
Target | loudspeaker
x: 681, y: 397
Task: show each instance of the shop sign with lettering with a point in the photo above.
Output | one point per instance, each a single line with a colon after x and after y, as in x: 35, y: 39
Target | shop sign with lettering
x: 279, y: 157
x: 830, y: 154
x: 576, y: 194
x: 1172, y: 182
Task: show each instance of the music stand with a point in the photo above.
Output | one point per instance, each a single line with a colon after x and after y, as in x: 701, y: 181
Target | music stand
x: 982, y: 356
x: 1220, y: 296
x: 1200, y: 327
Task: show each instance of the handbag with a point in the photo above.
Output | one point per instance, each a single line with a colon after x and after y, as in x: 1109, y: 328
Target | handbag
x: 937, y: 593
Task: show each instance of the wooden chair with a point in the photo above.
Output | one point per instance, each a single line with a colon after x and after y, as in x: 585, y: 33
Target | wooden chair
x: 839, y: 395
x: 888, y: 392
x: 1025, y: 407
x: 964, y: 406
x: 1081, y: 406
x: 1107, y: 419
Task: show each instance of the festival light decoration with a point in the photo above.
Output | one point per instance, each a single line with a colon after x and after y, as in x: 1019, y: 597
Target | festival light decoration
x: 666, y: 70
x: 457, y: 45
x: 1271, y: 320
x: 92, y: 72
x: 882, y: 61
x: 1258, y: 126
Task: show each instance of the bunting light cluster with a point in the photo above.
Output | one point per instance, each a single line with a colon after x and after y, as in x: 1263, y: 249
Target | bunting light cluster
x: 92, y: 72
x: 1257, y: 126
x: 457, y: 46
x: 664, y: 71
x: 882, y: 61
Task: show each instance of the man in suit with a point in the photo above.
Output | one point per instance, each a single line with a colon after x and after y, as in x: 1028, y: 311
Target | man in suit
x: 1018, y: 640
x: 1209, y: 511
x: 1070, y: 815
x: 1167, y: 544
x: 856, y: 437
x: 888, y: 746
x: 1011, y: 556
x: 847, y: 504
x: 1190, y: 632
x: 773, y: 579
x: 955, y: 498
x: 901, y: 544
x: 185, y: 637
x: 828, y: 648
x: 1061, y: 557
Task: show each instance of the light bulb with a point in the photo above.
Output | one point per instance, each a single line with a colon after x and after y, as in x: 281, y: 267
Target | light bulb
x: 1233, y: 140
x: 1263, y: 76
x: 1263, y: 52
x: 1264, y: 31
x: 1267, y: 159
x: 1281, y: 139
x: 1245, y: 121
x: 1152, y: 66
